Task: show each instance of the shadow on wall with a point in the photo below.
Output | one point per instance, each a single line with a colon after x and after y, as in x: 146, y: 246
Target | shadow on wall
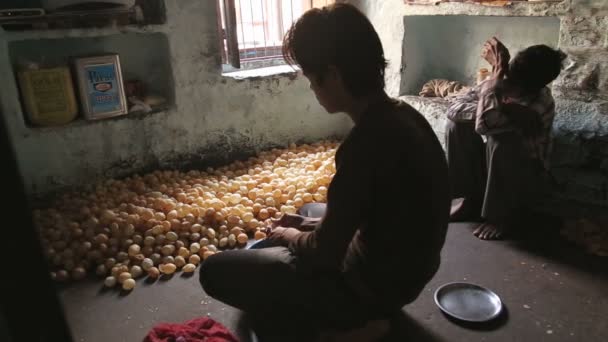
x: 449, y: 47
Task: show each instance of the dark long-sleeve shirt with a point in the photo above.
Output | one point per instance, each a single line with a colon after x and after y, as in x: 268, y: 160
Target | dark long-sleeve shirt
x: 387, y: 207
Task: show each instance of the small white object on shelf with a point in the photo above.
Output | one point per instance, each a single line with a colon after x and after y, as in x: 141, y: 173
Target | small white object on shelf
x: 138, y: 105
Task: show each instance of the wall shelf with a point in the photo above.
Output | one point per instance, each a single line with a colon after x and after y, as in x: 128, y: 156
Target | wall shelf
x: 80, y: 122
x: 67, y: 20
x: 145, y: 12
x: 92, y: 32
x: 144, y: 56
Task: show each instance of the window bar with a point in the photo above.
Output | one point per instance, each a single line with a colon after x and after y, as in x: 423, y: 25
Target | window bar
x: 244, y: 47
x: 221, y: 30
x: 270, y: 16
x: 291, y: 8
x: 255, y: 52
x: 264, y: 27
x: 231, y: 33
x: 281, y: 28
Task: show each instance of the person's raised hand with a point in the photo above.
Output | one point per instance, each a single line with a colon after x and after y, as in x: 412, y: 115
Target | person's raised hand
x: 497, y: 54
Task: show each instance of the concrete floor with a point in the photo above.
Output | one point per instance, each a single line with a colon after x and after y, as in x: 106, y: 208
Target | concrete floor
x: 553, y: 293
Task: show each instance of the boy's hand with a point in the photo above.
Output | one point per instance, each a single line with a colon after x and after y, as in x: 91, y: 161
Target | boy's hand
x: 295, y: 221
x: 288, y: 220
x: 283, y: 236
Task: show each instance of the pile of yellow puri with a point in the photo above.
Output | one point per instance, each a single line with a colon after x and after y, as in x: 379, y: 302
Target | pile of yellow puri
x: 167, y: 221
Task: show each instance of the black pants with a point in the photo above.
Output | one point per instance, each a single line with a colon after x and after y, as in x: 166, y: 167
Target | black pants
x: 497, y: 179
x: 265, y: 284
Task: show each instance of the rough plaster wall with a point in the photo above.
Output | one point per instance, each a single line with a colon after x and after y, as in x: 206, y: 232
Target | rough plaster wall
x: 214, y: 118
x: 387, y: 18
x: 581, y: 125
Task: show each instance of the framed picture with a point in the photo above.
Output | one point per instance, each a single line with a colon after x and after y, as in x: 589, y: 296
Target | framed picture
x: 101, y: 87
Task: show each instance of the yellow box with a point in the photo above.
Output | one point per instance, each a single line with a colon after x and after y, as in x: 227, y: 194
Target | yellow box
x: 48, y: 95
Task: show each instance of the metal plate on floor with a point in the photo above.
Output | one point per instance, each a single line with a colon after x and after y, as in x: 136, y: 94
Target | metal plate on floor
x: 468, y: 302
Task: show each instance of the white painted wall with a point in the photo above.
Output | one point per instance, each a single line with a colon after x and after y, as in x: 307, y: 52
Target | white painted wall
x: 214, y: 117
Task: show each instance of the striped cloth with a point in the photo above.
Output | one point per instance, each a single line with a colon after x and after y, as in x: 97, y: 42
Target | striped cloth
x: 482, y: 105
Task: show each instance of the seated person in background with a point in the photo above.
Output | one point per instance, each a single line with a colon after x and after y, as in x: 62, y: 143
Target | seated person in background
x: 514, y: 110
x: 379, y: 241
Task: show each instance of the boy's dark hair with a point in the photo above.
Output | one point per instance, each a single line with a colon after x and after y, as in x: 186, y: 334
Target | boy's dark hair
x: 338, y: 35
x: 535, y: 67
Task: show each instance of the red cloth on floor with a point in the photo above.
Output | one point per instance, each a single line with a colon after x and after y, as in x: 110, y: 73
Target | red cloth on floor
x: 197, y: 330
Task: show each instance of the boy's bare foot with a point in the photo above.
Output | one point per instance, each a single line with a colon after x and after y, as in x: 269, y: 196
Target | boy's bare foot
x: 489, y: 231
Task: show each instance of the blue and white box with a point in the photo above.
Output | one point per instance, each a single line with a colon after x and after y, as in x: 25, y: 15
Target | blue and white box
x: 101, y: 87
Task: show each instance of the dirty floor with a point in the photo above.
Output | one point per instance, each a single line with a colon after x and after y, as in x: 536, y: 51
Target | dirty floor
x: 551, y: 290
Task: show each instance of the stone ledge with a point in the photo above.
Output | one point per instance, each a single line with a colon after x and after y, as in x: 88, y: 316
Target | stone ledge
x: 539, y: 8
x: 433, y: 109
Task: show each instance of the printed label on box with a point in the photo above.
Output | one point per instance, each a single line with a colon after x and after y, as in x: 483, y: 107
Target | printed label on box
x: 103, y: 90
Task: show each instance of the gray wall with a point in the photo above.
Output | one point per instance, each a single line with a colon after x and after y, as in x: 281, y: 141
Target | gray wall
x: 213, y: 119
x: 449, y: 46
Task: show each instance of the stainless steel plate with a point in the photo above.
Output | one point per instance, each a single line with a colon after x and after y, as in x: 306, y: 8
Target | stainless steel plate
x: 263, y: 243
x: 315, y: 210
x: 468, y: 302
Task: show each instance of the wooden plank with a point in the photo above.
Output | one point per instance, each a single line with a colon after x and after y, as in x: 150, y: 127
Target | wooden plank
x: 232, y: 39
x: 153, y: 11
x: 78, y: 19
